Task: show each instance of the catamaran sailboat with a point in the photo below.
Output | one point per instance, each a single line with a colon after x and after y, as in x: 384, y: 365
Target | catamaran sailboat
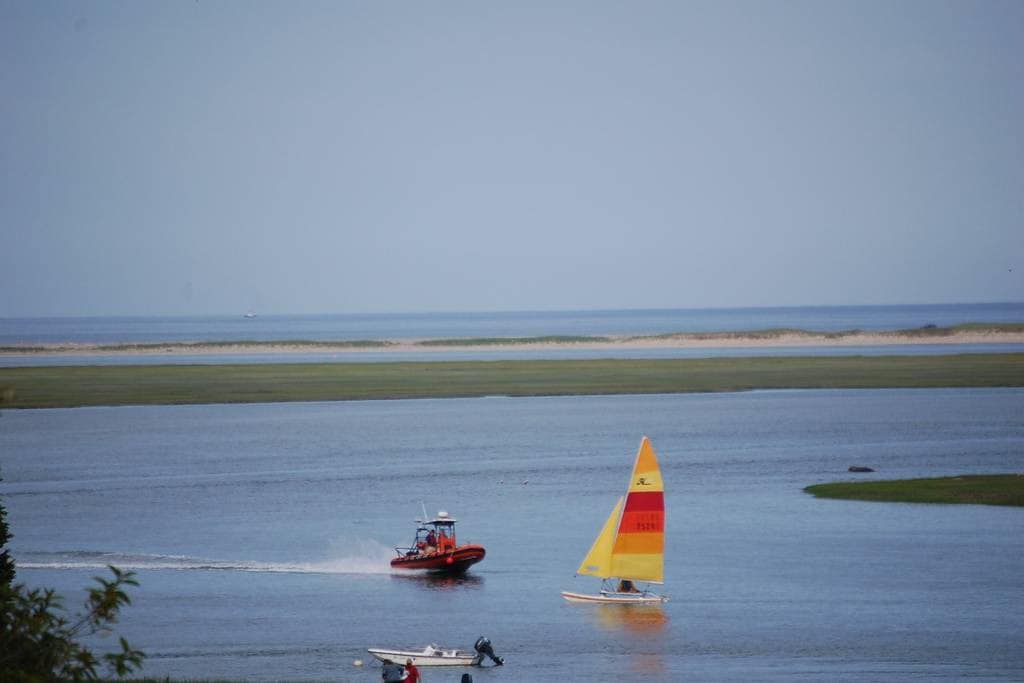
x: 631, y: 545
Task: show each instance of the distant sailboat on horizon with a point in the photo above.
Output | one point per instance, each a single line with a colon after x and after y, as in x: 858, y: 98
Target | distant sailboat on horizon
x: 631, y: 544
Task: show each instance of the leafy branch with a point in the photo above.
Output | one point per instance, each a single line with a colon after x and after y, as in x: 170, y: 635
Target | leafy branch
x: 40, y: 643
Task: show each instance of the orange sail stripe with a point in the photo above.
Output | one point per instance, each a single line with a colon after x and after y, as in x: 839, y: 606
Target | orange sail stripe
x: 627, y: 544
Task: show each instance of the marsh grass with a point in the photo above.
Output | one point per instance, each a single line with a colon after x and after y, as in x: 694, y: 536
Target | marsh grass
x: 995, y: 489
x: 106, y: 385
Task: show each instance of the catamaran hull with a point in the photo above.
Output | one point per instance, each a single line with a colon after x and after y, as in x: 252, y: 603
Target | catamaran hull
x: 435, y: 658
x: 616, y: 598
x: 453, y: 562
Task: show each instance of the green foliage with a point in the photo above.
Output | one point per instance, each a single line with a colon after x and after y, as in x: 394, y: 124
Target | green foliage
x: 6, y: 563
x: 40, y: 642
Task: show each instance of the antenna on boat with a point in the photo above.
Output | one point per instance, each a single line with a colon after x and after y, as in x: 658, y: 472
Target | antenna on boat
x: 423, y: 505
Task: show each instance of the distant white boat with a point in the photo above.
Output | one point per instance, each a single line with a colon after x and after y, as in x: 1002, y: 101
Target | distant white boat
x: 431, y: 655
x: 250, y: 314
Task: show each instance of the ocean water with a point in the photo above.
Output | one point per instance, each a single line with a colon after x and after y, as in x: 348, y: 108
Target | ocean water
x: 508, y: 324
x: 261, y: 533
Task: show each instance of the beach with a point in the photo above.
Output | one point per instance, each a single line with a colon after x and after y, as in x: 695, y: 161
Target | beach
x: 755, y: 339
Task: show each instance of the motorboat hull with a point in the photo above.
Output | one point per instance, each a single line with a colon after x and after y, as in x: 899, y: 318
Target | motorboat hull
x: 430, y: 656
x: 452, y: 562
x: 608, y: 597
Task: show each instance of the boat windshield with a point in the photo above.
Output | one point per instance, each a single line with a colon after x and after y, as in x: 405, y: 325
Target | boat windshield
x: 434, y: 536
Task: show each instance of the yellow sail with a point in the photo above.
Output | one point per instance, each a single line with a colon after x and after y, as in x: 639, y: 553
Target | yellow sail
x: 598, y: 561
x: 638, y: 552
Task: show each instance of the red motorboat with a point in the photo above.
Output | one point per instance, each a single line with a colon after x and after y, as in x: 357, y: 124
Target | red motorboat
x: 435, y: 549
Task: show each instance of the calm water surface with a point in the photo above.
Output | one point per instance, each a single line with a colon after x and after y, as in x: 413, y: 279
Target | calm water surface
x: 261, y: 533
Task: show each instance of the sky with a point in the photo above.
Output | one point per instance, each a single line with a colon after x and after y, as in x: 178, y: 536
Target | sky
x: 214, y: 157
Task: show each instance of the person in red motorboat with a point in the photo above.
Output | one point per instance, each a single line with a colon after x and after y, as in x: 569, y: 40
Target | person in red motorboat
x: 436, y: 549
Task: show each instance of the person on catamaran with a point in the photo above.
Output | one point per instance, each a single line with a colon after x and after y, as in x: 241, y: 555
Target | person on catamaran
x: 626, y: 586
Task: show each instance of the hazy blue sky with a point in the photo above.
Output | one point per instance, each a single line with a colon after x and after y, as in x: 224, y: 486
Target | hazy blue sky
x: 216, y: 157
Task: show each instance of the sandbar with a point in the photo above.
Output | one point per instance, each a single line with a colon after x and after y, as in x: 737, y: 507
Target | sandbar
x: 755, y: 340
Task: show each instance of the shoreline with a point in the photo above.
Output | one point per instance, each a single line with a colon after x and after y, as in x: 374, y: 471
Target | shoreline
x: 766, y: 339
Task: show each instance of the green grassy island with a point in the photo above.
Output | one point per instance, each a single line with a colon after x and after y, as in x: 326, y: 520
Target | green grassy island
x: 991, y: 489
x: 113, y: 385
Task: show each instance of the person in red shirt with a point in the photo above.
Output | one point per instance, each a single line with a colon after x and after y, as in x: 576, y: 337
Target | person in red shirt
x: 412, y: 674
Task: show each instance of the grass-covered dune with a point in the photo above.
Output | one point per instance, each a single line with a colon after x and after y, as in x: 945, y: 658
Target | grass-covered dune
x: 995, y: 489
x: 93, y: 385
x: 968, y: 333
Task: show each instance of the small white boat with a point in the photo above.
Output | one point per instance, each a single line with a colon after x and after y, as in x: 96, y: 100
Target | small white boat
x: 431, y: 655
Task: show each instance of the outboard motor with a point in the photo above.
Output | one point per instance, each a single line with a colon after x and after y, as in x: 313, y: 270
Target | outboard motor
x: 483, y: 646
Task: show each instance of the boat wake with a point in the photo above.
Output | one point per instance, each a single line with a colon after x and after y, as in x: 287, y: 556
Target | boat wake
x: 371, y: 559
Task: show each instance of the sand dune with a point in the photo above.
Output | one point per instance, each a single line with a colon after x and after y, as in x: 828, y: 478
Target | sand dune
x: 766, y: 339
